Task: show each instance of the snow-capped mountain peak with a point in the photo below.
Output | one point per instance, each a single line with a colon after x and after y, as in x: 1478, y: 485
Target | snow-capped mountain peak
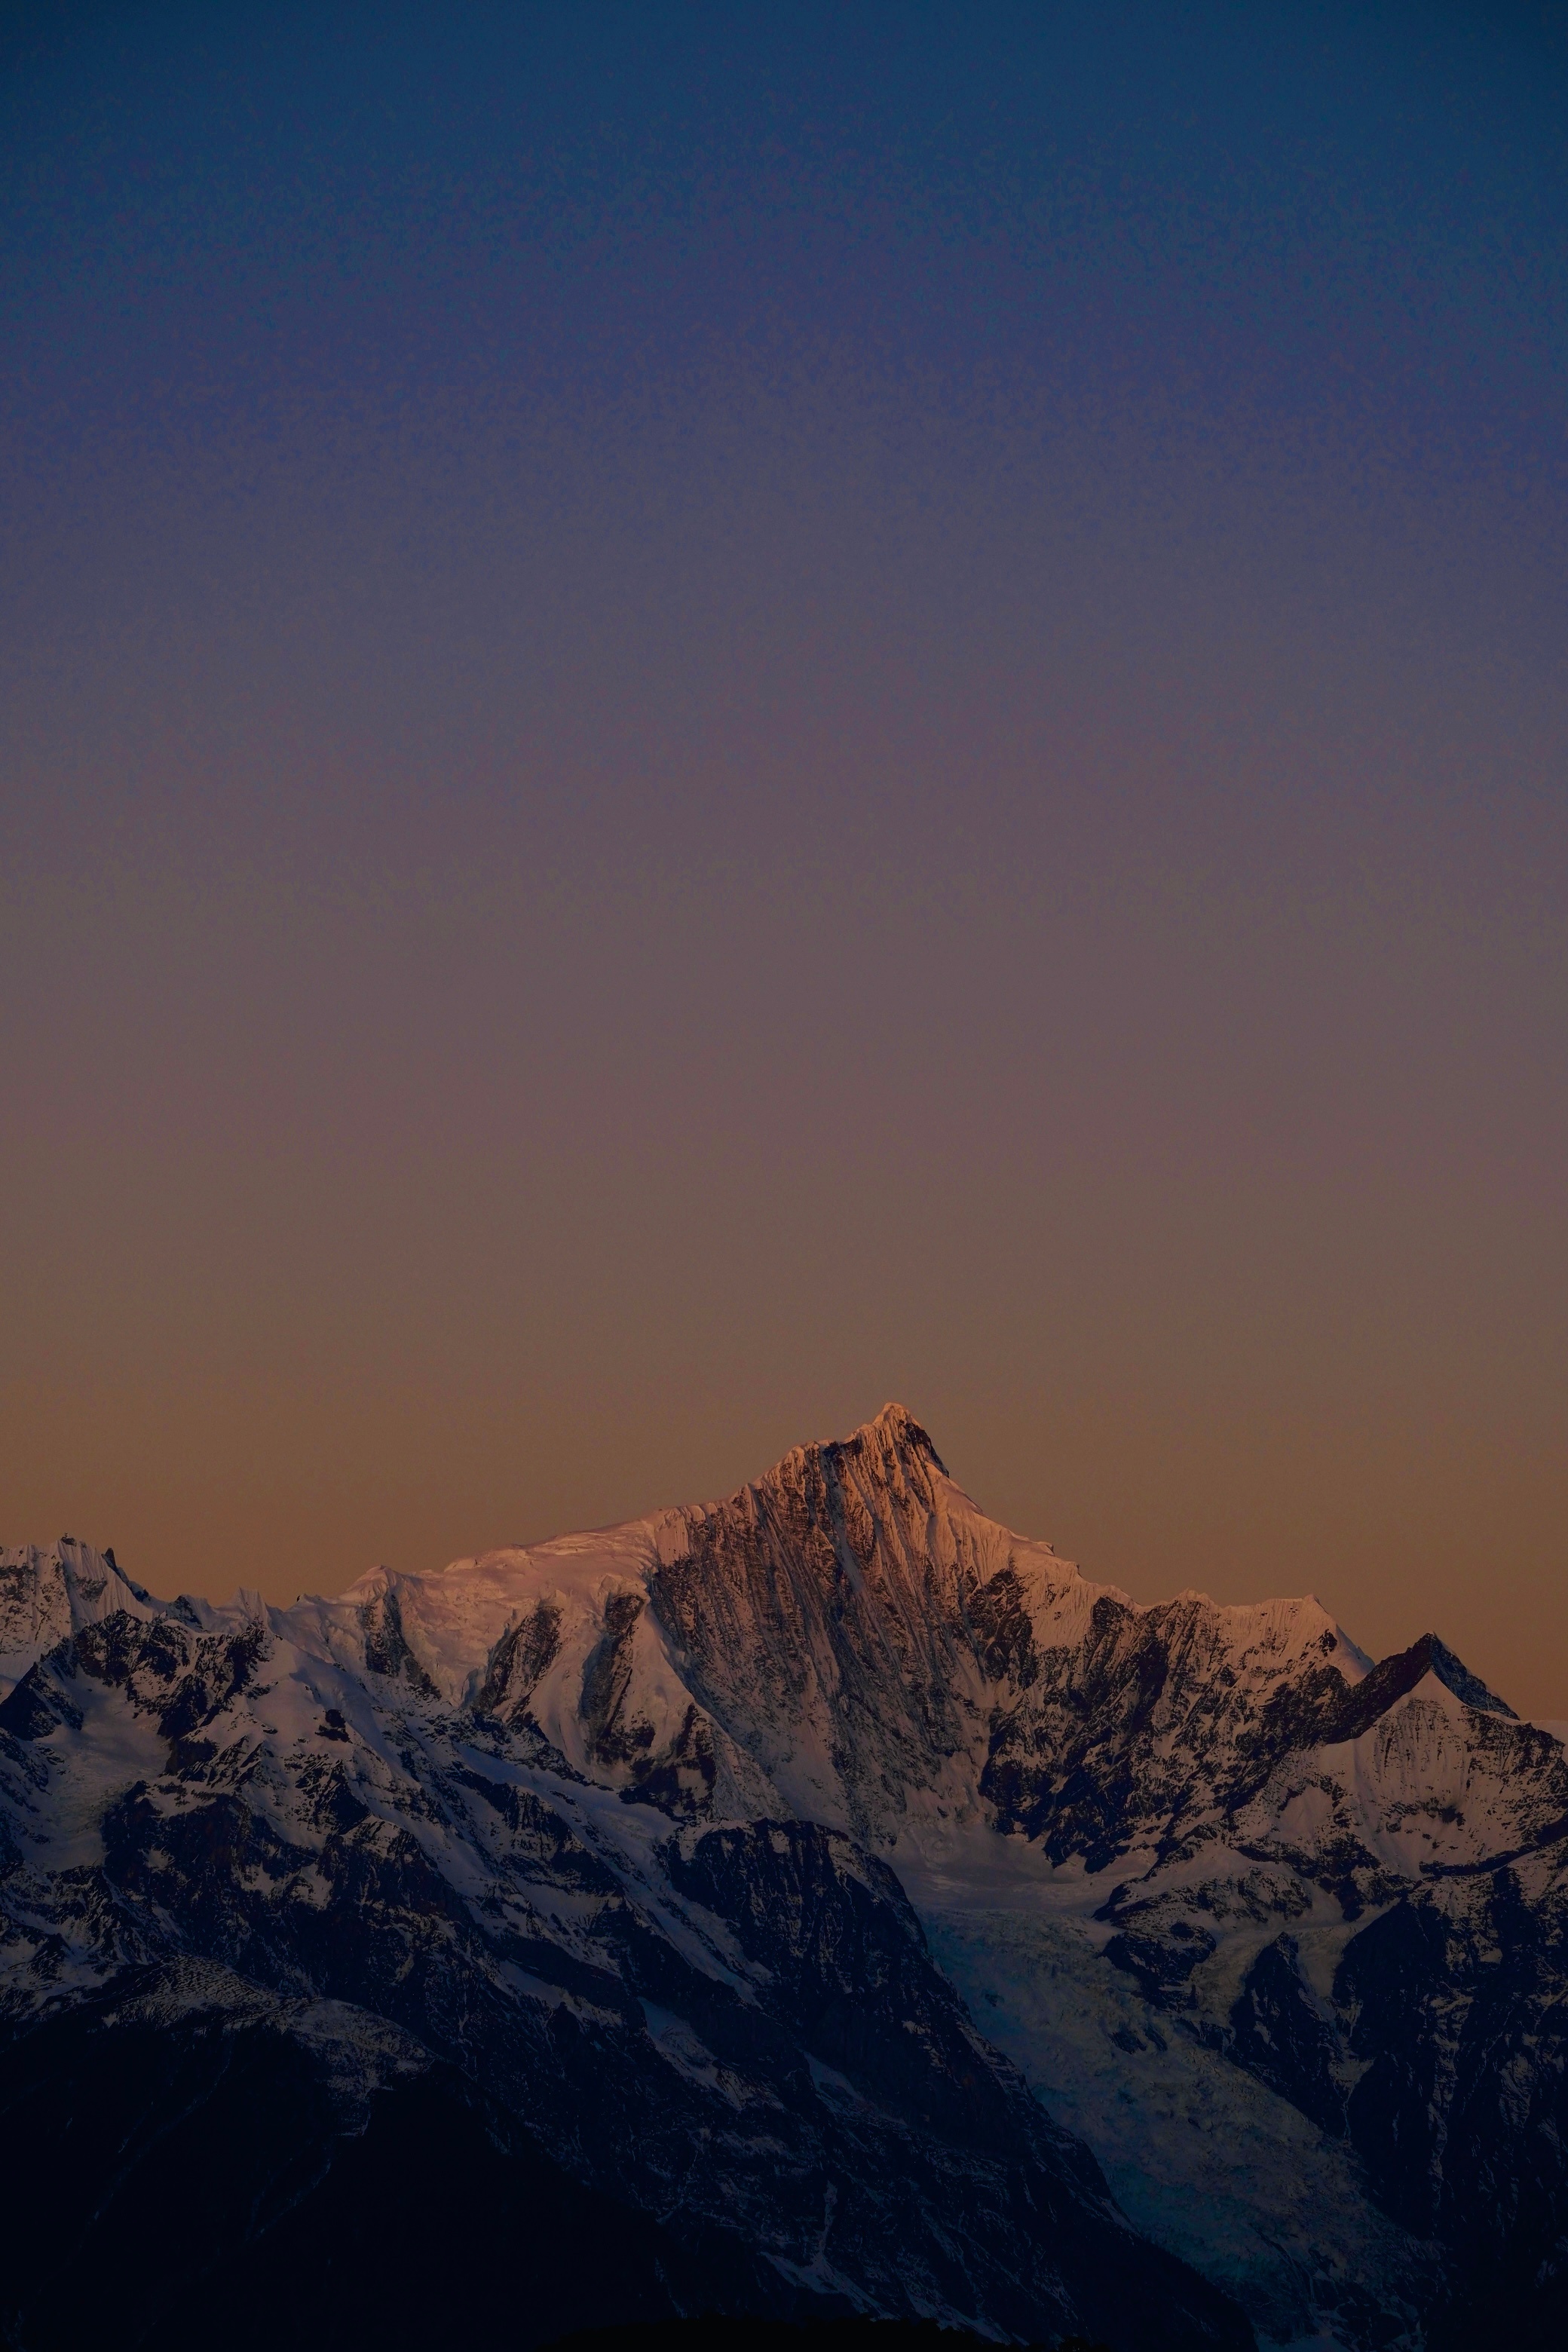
x: 1240, y: 1904
x: 45, y: 1595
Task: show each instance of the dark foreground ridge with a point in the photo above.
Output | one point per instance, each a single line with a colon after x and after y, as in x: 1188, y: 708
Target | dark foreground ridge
x: 713, y: 2333
x: 196, y: 2160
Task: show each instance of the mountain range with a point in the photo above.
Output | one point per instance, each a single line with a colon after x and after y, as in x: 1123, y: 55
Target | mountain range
x: 822, y: 1901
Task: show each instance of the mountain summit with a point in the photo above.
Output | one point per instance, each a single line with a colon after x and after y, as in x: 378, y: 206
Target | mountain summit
x: 821, y: 1899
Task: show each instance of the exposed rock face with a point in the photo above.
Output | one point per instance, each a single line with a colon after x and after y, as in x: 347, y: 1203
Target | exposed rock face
x: 47, y: 1595
x: 637, y: 1847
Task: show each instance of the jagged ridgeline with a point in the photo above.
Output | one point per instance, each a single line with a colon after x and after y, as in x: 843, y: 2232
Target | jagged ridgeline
x: 821, y: 1902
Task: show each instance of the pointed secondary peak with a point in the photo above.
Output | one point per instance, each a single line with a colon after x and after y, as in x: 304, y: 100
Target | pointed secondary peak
x: 1439, y: 1659
x: 1394, y: 1678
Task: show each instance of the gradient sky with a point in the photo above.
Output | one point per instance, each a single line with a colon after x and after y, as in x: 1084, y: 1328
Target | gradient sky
x: 709, y: 714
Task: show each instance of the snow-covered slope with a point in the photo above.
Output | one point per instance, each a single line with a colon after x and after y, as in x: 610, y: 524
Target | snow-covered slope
x: 45, y: 1596
x: 627, y: 1828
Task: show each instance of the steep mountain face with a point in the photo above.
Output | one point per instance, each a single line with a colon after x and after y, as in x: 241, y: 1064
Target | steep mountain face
x: 822, y: 1899
x: 45, y: 1596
